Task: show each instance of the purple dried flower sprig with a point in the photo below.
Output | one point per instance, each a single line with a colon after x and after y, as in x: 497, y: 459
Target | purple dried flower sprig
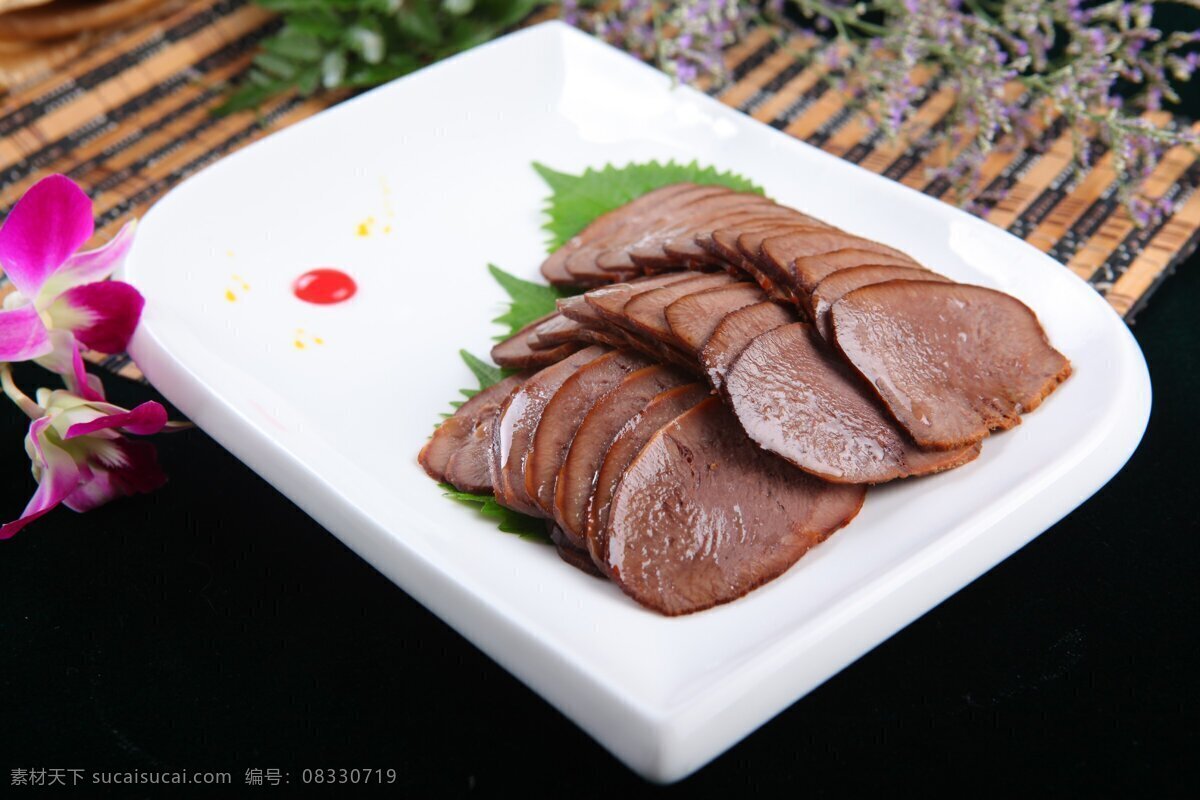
x: 1011, y: 65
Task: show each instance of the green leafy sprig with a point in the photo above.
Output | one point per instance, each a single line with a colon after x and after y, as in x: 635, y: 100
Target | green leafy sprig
x: 329, y: 44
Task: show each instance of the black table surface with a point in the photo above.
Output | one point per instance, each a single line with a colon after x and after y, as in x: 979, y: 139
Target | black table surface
x: 213, y: 626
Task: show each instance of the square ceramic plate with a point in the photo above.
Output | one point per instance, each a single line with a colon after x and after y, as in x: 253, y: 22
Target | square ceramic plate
x: 412, y: 189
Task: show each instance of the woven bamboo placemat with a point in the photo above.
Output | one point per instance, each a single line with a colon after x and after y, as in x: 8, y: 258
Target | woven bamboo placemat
x: 131, y: 118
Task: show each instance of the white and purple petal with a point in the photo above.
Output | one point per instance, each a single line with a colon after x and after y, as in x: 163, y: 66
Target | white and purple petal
x: 90, y: 266
x: 45, y: 228
x: 58, y: 479
x: 102, y: 315
x: 137, y: 473
x: 23, y: 334
x: 148, y: 418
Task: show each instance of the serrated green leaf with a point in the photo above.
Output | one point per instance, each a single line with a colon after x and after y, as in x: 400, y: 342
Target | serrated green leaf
x: 527, y: 300
x: 487, y: 373
x: 508, y: 521
x: 576, y: 200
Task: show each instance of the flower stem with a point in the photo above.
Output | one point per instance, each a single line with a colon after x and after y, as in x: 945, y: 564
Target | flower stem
x: 31, y: 409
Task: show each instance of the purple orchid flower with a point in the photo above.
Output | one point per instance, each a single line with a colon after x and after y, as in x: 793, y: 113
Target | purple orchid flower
x: 61, y: 294
x: 81, y: 457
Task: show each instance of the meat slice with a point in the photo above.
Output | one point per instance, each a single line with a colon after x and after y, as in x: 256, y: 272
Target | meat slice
x: 646, y: 313
x: 723, y: 243
x: 781, y: 252
x: 950, y: 361
x: 562, y: 416
x: 512, y: 433
x: 834, y: 286
x: 702, y: 516
x: 458, y: 431
x: 517, y: 351
x: 701, y: 245
x: 608, y: 302
x: 584, y: 264
x: 694, y: 317
x: 624, y: 448
x: 571, y: 553
x: 554, y: 268
x: 577, y: 477
x: 809, y: 271
x: 796, y: 398
x: 734, y: 332
x: 616, y: 256
x: 650, y: 253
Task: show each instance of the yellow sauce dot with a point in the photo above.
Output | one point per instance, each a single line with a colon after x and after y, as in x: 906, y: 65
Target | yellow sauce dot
x: 318, y: 340
x: 387, y: 228
x: 230, y: 296
x: 298, y: 344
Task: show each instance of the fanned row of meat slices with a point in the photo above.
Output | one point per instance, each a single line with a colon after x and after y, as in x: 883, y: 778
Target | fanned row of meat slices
x: 736, y: 375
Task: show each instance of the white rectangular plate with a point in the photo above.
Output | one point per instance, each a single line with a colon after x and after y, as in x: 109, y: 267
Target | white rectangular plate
x: 412, y: 189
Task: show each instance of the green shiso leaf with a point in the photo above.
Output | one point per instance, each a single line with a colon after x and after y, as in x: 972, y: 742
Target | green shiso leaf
x: 576, y: 200
x: 527, y: 301
x: 507, y: 520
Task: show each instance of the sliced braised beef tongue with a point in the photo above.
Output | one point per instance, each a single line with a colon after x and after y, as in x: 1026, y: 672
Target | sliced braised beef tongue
x: 950, y: 361
x: 570, y: 553
x: 834, y: 286
x: 702, y: 516
x: 615, y: 258
x: 624, y: 448
x: 781, y: 252
x: 809, y: 271
x: 517, y: 351
x: 563, y: 415
x: 577, y: 477
x: 458, y: 431
x: 585, y: 264
x: 646, y: 313
x: 608, y: 302
x: 470, y: 466
x: 686, y: 248
x: 512, y: 433
x: 650, y: 254
x: 554, y: 268
x: 723, y: 243
x: 555, y: 330
x: 734, y: 332
x: 795, y: 397
x: 694, y: 317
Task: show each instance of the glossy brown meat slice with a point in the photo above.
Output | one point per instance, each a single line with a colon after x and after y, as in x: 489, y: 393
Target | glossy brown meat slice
x: 646, y: 313
x: 833, y: 287
x: 577, y: 477
x: 570, y: 552
x: 796, y: 398
x: 781, y: 252
x: 950, y: 361
x: 585, y: 266
x: 609, y: 301
x: 554, y: 268
x: 512, y: 433
x: 517, y: 352
x: 624, y: 448
x: 734, y: 332
x: 700, y: 245
x: 702, y: 516
x: 459, y: 430
x: 694, y: 317
x: 650, y: 253
x: 723, y: 243
x: 555, y: 330
x: 809, y: 271
x: 563, y: 415
x: 616, y: 256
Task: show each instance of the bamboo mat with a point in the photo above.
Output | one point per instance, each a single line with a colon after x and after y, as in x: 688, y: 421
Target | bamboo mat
x: 131, y: 118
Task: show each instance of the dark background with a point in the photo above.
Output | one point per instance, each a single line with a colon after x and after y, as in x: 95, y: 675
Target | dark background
x: 213, y: 626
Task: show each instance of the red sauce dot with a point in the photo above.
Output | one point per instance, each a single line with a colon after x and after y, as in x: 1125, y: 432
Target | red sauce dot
x: 324, y: 286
